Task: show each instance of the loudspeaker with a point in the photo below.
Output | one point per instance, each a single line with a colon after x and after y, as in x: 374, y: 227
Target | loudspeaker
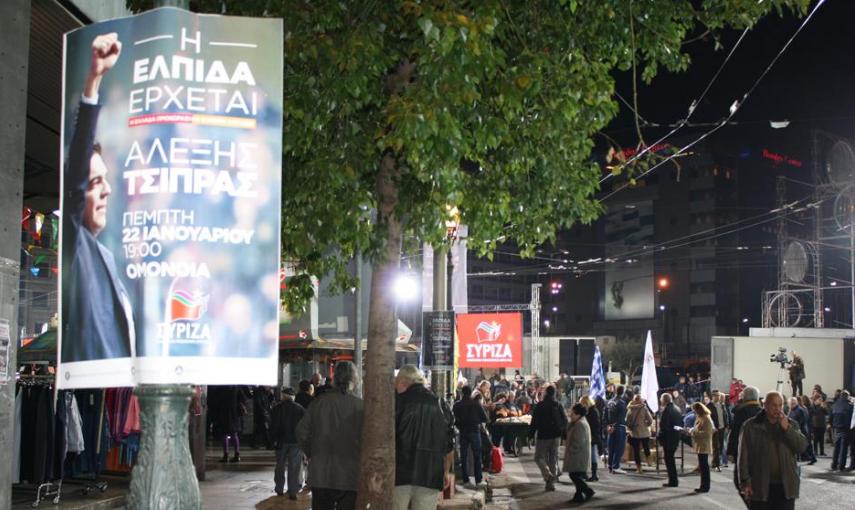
x: 567, y: 356
x: 584, y: 356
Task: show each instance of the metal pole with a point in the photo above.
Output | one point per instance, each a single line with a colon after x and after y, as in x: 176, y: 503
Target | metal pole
x: 357, y: 335
x: 535, y: 327
x: 164, y: 476
x: 439, y: 378
x: 851, y: 262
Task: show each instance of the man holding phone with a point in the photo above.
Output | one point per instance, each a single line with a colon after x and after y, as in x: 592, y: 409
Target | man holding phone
x: 768, y: 448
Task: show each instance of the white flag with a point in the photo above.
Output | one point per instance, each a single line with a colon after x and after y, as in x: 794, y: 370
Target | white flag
x: 649, y: 382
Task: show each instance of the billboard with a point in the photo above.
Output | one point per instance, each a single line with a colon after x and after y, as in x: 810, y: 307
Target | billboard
x: 490, y: 340
x: 171, y: 182
x: 629, y: 287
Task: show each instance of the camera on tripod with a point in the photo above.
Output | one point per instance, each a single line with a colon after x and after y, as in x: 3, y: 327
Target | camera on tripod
x: 779, y: 357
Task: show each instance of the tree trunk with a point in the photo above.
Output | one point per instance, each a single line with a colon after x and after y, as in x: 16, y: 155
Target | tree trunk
x: 377, y: 463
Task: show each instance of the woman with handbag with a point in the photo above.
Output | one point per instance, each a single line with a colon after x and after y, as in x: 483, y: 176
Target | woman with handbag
x: 638, y: 422
x: 702, y: 434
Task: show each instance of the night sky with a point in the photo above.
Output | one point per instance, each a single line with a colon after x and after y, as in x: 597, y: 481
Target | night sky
x: 811, y: 85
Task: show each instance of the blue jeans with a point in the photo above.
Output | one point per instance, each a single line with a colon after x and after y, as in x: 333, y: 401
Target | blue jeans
x: 617, y: 443
x: 594, y: 455
x: 470, y: 440
x: 288, y: 456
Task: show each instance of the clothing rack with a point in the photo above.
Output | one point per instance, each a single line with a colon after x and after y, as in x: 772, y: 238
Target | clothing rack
x: 50, y: 488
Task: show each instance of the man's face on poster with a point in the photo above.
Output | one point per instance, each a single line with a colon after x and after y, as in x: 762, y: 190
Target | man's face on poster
x: 95, y: 210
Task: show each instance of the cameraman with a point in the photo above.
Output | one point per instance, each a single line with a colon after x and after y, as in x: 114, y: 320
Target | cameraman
x: 797, y: 374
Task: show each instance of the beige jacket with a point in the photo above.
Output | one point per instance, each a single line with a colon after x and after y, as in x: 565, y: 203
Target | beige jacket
x: 702, y: 435
x: 638, y: 420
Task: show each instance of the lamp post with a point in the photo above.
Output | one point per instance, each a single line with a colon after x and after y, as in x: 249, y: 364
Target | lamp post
x: 164, y: 477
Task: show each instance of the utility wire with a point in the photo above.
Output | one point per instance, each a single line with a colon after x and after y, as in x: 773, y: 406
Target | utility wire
x: 692, y: 107
x: 734, y: 107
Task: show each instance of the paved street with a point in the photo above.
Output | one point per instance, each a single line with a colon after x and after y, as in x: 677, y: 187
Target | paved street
x: 250, y: 485
x: 522, y: 489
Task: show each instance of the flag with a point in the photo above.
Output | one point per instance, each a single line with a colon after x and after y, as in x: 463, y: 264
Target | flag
x: 598, y: 380
x: 649, y: 383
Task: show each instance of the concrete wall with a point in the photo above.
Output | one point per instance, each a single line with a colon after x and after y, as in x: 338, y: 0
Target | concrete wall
x: 14, y: 55
x: 823, y: 358
x: 99, y: 10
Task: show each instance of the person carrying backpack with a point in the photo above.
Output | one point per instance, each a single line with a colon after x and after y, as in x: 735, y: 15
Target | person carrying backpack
x: 548, y: 422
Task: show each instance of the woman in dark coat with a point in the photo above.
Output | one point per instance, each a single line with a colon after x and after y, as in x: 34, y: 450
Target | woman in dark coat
x: 227, y: 406
x: 595, y: 422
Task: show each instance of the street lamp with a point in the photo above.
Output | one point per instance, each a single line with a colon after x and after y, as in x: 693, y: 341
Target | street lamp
x: 664, y: 282
x: 406, y: 288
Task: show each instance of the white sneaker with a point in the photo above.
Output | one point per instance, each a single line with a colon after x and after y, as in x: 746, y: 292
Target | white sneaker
x: 482, y: 484
x: 618, y: 471
x: 470, y: 486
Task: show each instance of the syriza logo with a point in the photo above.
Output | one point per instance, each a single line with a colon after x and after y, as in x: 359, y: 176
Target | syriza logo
x: 186, y: 309
x: 488, y: 347
x: 489, y: 339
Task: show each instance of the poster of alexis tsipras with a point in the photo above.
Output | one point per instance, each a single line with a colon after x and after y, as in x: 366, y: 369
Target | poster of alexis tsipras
x: 171, y: 182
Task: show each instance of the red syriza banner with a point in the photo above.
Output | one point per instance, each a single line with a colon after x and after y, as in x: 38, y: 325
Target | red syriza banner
x: 490, y: 340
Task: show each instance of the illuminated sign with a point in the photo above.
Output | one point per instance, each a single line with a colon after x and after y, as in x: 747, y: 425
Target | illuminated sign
x: 780, y: 159
x: 490, y: 340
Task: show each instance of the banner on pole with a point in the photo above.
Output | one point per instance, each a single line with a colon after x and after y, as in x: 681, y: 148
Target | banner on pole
x: 171, y: 178
x: 490, y: 340
x: 649, y: 381
x: 438, y: 340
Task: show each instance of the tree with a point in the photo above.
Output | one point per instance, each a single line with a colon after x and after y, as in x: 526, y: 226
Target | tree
x: 397, y: 111
x: 625, y: 355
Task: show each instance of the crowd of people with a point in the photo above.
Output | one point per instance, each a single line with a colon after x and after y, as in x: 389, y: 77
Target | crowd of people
x: 316, y: 432
x: 765, y: 437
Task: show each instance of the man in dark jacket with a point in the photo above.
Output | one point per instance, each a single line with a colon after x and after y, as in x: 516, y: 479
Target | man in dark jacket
x: 284, y: 419
x: 97, y: 319
x: 305, y: 395
x: 424, y: 442
x: 616, y: 420
x: 768, y: 447
x: 330, y: 434
x: 749, y: 408
x: 800, y: 415
x: 841, y: 416
x: 669, y: 437
x: 548, y: 422
x: 468, y: 417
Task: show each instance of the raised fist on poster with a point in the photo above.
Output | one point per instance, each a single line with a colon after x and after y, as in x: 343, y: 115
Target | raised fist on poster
x: 106, y: 49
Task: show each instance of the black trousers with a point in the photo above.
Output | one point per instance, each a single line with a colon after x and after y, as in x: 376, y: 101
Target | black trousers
x: 819, y: 440
x: 797, y: 387
x: 671, y: 464
x: 578, y: 480
x: 332, y: 499
x: 776, y: 500
x: 704, y: 465
x: 637, y: 443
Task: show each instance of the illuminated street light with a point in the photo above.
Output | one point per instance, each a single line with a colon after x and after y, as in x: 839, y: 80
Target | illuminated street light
x: 554, y: 308
x: 406, y: 288
x: 827, y: 309
x: 662, y: 307
x: 664, y: 282
x: 834, y: 284
x: 745, y: 320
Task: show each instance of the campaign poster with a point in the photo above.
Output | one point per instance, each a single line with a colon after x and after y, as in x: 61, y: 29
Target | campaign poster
x: 438, y: 340
x: 171, y: 181
x: 490, y: 340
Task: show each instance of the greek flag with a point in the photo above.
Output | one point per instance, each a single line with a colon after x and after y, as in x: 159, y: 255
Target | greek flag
x: 598, y: 380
